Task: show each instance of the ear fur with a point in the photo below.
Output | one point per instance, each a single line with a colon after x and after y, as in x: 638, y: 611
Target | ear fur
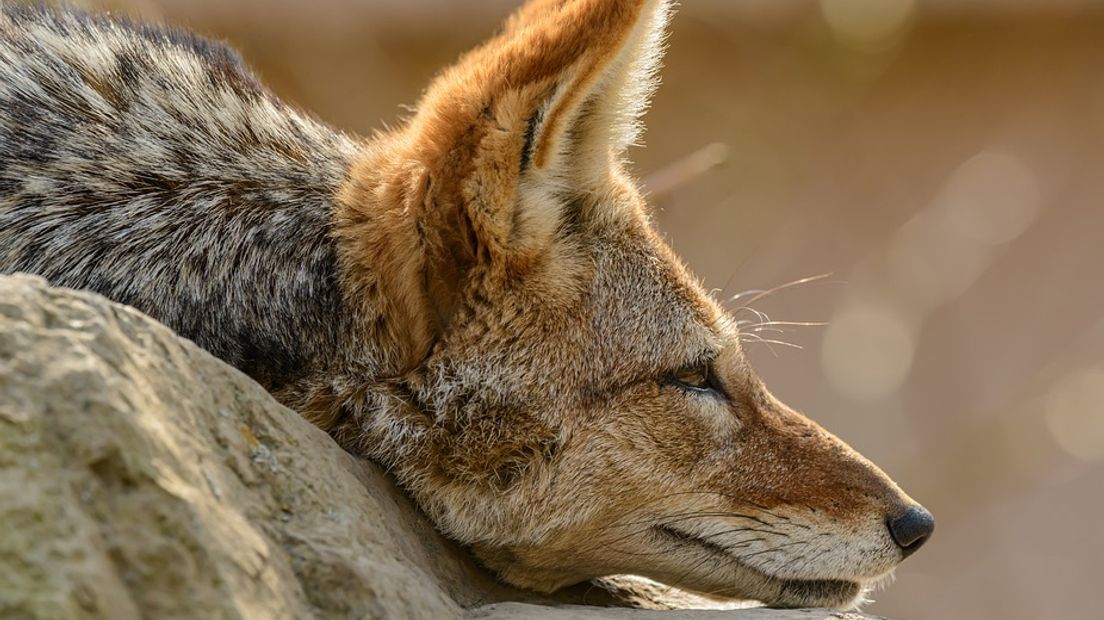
x: 476, y: 178
x: 581, y: 67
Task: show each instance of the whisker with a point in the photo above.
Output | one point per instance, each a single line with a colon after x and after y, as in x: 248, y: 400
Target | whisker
x: 759, y: 314
x: 651, y: 522
x: 759, y: 530
x: 810, y: 560
x: 705, y: 558
x: 756, y: 330
x: 773, y: 351
x: 745, y: 502
x: 694, y: 567
x: 758, y: 294
x: 757, y: 338
x: 774, y: 549
x: 728, y: 496
x: 791, y: 324
x: 686, y: 516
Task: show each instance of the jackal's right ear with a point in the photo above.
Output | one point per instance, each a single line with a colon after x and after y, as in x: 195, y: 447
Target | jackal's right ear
x: 501, y: 142
x: 558, y: 92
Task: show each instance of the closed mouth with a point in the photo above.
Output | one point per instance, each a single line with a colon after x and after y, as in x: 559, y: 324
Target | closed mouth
x: 827, y: 592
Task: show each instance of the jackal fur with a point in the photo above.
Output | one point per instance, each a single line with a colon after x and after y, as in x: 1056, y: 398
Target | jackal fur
x: 476, y: 300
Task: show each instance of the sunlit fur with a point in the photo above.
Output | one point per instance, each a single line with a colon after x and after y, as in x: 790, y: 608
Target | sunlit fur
x: 476, y: 300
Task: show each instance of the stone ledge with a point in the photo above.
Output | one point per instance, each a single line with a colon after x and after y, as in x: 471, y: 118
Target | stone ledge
x: 522, y: 611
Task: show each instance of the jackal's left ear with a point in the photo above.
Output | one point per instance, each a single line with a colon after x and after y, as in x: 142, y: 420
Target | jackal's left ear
x: 501, y: 143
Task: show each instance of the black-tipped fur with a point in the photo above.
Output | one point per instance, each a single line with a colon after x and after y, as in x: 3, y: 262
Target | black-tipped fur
x: 150, y: 166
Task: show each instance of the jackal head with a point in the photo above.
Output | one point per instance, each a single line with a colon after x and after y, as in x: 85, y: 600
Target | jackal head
x: 565, y: 397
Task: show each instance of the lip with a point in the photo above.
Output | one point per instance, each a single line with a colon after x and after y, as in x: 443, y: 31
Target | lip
x: 829, y: 592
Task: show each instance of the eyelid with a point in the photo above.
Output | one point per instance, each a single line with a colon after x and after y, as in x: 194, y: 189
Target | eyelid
x: 713, y: 384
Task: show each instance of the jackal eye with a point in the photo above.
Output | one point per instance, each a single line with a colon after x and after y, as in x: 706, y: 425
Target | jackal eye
x: 697, y: 378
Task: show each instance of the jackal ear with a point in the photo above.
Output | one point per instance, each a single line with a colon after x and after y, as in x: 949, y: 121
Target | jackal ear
x: 501, y: 143
x: 601, y: 86
x: 551, y: 104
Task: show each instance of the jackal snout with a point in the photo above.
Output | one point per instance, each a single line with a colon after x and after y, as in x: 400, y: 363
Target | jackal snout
x: 830, y: 474
x: 796, y: 463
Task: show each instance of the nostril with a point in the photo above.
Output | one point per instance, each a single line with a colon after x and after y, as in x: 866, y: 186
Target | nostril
x: 911, y: 529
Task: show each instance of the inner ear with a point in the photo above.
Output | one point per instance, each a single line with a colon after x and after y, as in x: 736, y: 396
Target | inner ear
x: 530, y: 136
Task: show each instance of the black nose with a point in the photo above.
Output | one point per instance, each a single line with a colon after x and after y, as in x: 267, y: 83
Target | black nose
x: 912, y: 529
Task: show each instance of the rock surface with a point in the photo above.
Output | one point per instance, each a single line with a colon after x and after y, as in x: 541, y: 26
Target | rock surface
x: 142, y: 478
x: 521, y: 611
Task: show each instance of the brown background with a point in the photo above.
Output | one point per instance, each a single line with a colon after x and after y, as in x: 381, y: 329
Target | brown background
x: 942, y: 159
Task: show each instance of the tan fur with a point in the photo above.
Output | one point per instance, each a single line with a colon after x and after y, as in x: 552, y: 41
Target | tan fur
x: 536, y: 315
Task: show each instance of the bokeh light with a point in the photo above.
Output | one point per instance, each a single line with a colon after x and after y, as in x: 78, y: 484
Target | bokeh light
x: 992, y: 198
x: 988, y: 200
x: 867, y: 351
x: 868, y: 24
x: 1075, y: 414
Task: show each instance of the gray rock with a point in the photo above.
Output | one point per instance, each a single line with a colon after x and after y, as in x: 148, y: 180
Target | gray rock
x: 140, y: 477
x: 522, y: 611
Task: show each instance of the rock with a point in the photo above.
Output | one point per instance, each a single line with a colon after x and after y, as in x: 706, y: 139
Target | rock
x: 521, y: 611
x: 140, y: 477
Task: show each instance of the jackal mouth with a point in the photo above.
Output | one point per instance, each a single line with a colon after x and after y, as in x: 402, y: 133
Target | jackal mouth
x: 791, y: 592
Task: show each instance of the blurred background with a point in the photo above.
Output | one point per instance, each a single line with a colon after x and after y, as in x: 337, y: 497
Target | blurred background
x: 943, y: 160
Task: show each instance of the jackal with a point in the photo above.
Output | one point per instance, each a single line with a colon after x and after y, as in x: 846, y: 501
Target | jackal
x: 476, y: 300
